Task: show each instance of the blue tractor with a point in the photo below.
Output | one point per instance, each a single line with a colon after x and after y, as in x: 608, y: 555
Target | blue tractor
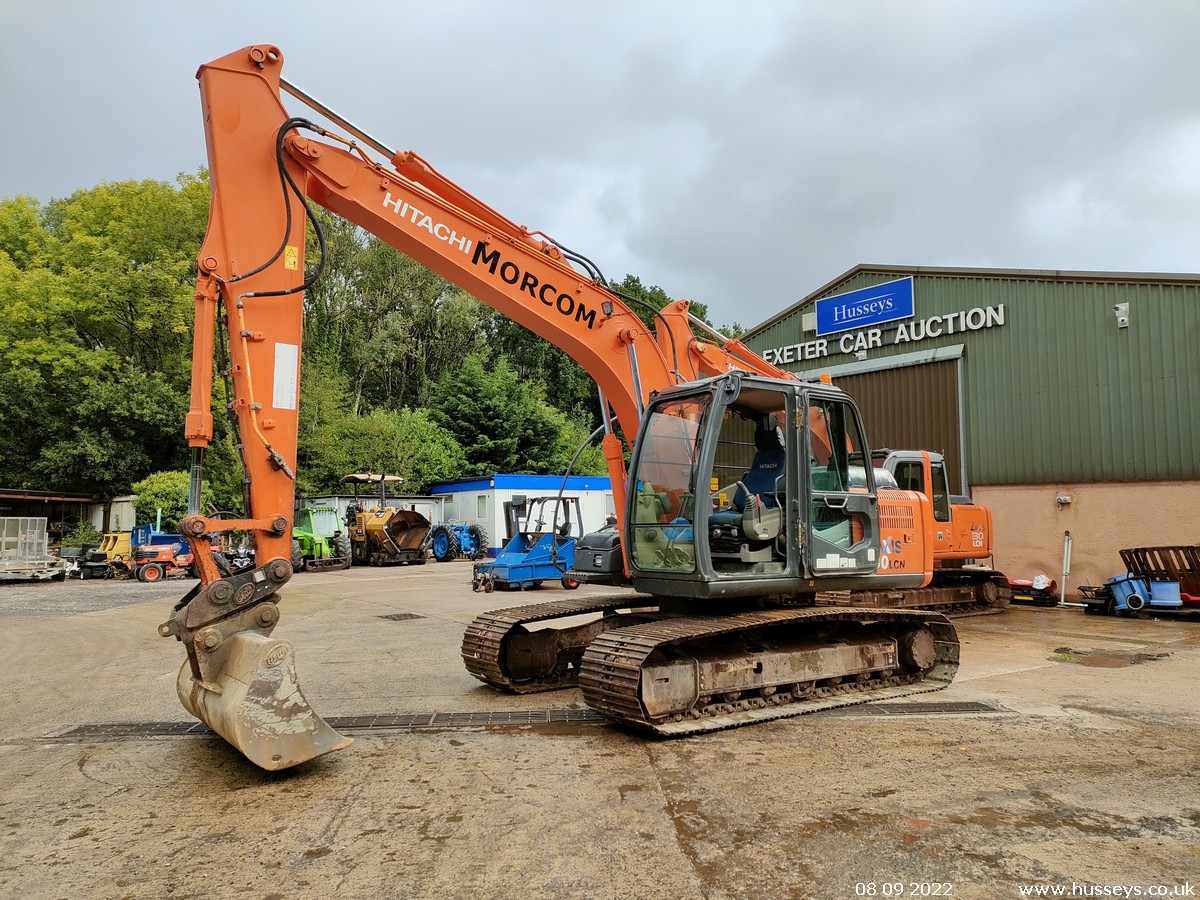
x: 450, y: 540
x: 542, y: 548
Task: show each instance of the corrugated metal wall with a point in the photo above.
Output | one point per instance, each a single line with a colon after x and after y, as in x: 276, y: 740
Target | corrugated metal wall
x: 1059, y: 392
x: 915, y: 407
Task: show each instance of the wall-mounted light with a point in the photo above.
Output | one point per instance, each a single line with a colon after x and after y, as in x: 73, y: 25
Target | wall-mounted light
x: 1121, y: 311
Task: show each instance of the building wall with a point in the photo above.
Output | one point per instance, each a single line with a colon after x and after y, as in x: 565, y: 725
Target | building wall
x: 1102, y: 519
x: 481, y: 501
x: 1058, y: 391
x: 1056, y: 400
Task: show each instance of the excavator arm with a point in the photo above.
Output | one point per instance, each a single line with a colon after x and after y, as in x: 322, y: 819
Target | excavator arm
x: 265, y: 166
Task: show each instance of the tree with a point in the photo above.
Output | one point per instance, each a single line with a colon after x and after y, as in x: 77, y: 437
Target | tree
x: 502, y: 423
x: 393, y: 442
x: 402, y: 371
x: 95, y: 301
x: 166, y: 491
x: 390, y: 325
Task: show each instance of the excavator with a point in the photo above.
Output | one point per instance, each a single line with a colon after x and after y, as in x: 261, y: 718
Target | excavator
x: 748, y: 491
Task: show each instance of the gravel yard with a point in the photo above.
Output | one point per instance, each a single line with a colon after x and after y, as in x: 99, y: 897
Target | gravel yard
x: 74, y: 596
x: 1070, y: 760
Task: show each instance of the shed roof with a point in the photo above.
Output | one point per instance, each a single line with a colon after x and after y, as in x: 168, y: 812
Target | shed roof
x: 968, y: 272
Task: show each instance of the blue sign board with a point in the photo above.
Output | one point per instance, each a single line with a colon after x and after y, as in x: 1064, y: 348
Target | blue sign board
x: 885, y: 302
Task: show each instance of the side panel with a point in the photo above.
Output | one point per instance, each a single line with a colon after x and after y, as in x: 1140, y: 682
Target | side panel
x: 970, y: 533
x: 913, y: 406
x: 903, y: 545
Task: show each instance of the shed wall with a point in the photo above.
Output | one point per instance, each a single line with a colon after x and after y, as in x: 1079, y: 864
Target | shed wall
x: 1059, y: 392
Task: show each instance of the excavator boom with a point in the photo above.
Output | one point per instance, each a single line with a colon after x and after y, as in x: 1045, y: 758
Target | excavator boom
x: 265, y: 166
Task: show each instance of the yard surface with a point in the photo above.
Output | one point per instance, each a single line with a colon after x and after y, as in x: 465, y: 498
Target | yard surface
x: 1079, y: 768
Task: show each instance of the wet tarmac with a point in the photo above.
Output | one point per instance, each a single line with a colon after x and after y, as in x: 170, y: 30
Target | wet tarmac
x: 1074, y: 764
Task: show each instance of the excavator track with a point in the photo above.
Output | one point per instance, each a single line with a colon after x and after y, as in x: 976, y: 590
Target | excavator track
x: 983, y: 595
x: 499, y: 650
x: 682, y: 676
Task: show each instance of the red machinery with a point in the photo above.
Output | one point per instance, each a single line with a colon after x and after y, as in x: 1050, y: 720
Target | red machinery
x: 154, y: 562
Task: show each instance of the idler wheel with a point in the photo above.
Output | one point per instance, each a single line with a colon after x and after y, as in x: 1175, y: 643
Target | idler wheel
x: 917, y: 650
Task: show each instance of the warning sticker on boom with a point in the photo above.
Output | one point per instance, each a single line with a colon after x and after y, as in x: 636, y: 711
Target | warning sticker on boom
x: 287, y: 376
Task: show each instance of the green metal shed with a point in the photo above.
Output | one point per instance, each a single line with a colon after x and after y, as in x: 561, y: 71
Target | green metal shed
x: 1060, y: 376
x: 1067, y: 402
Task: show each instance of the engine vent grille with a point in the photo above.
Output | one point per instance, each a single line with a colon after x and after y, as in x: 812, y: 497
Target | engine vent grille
x: 894, y: 512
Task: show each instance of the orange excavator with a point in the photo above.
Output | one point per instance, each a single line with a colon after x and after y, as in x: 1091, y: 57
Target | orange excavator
x: 748, y: 492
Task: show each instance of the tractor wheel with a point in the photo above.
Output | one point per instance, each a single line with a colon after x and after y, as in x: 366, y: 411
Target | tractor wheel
x: 85, y: 573
x: 445, y: 544
x: 152, y: 572
x: 480, y: 537
x: 297, y: 556
x: 341, y: 545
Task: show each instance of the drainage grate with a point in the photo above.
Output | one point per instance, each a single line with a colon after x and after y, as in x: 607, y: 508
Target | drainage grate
x: 401, y: 617
x: 119, y: 731
x: 946, y: 708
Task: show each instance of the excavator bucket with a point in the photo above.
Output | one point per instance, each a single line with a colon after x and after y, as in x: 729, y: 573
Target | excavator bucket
x: 253, y: 700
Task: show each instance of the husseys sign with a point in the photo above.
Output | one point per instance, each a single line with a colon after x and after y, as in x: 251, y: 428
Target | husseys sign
x: 846, y: 323
x: 875, y: 305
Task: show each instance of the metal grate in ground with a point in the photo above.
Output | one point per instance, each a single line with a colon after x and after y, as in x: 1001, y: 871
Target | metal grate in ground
x: 401, y: 617
x: 945, y: 708
x: 128, y: 730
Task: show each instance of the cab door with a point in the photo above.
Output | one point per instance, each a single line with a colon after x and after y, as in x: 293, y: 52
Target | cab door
x: 842, y: 527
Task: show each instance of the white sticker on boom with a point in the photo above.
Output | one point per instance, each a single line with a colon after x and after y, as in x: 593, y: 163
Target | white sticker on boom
x: 287, y: 376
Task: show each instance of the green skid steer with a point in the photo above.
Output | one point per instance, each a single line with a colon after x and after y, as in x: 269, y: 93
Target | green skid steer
x: 318, y: 542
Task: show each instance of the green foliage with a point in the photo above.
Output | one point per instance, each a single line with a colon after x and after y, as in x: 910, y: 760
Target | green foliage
x: 567, y: 386
x: 403, y: 372
x: 167, y: 491
x: 83, y: 533
x: 388, y: 324
x: 591, y: 461
x: 733, y: 329
x: 223, y: 474
x: 95, y: 300
x: 503, y: 423
x: 403, y: 442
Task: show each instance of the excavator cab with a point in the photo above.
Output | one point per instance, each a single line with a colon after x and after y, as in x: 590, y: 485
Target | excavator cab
x: 746, y: 485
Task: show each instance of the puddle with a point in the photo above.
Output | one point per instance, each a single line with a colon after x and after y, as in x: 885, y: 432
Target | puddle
x: 1105, y: 659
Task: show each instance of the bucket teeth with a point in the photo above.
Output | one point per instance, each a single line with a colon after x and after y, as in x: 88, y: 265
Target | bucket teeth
x: 252, y: 698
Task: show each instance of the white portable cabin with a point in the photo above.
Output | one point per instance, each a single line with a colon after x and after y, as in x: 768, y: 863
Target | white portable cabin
x: 481, y: 500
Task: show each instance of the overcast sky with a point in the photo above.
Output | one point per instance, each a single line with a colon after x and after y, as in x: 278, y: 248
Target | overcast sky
x: 738, y: 153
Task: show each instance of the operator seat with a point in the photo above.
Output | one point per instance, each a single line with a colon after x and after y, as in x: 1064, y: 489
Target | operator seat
x: 756, y: 511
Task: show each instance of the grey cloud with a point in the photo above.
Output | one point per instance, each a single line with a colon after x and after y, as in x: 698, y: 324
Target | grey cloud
x: 739, y: 154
